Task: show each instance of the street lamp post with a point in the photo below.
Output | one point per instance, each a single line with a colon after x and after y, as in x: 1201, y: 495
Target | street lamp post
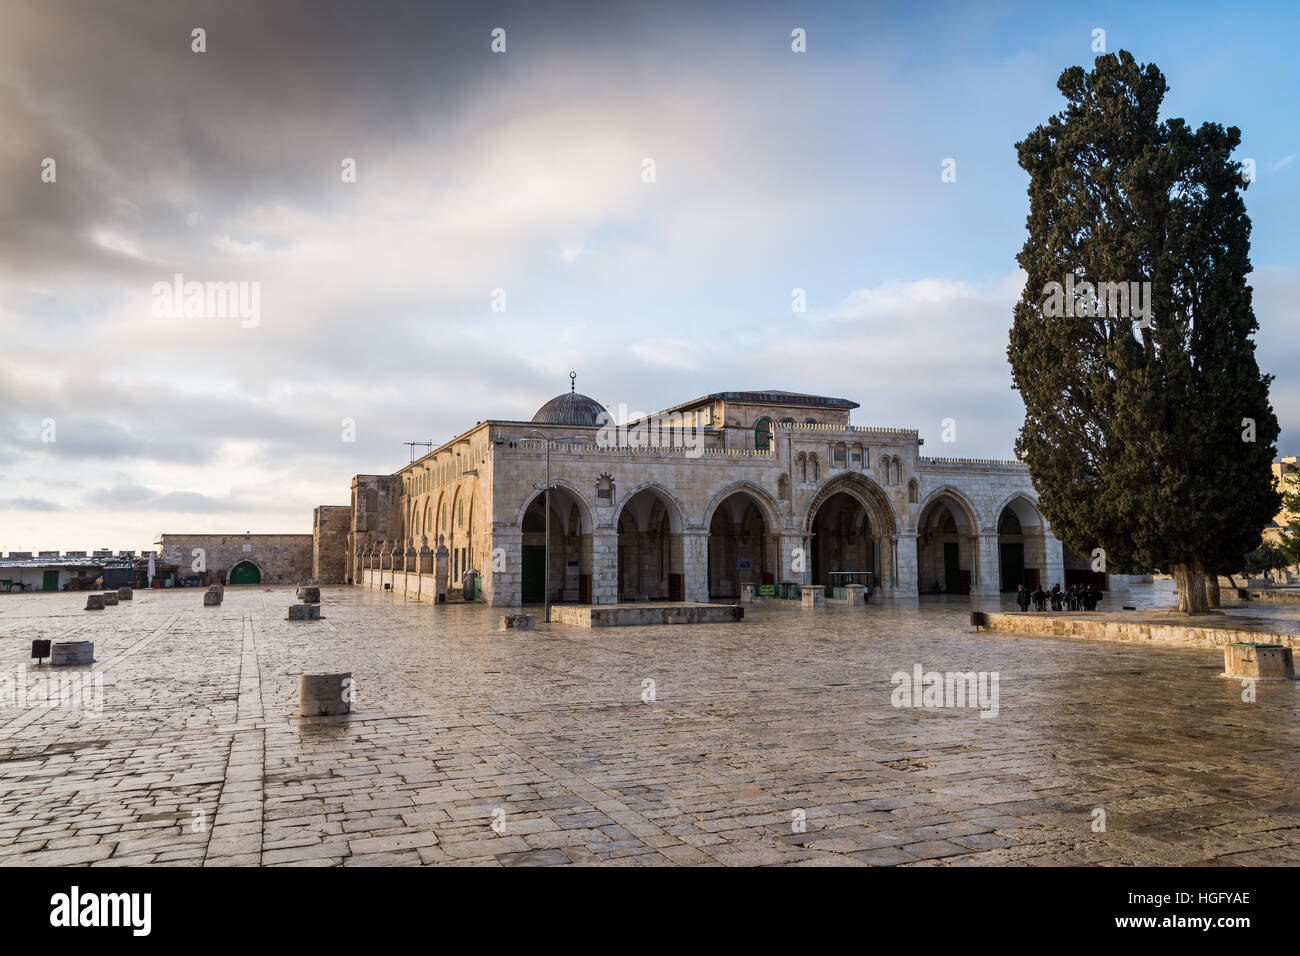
x: 546, y: 597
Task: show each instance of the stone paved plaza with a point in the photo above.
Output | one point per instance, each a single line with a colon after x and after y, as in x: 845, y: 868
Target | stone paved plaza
x: 197, y: 757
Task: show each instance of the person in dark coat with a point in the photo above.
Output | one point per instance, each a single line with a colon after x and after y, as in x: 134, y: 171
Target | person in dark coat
x: 1022, y: 598
x: 1040, y: 599
x: 1056, y: 597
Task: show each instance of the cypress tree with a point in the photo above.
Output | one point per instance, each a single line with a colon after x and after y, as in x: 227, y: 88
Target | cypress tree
x: 1148, y: 429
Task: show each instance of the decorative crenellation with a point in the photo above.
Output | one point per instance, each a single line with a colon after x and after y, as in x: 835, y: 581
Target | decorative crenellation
x: 652, y: 451
x: 846, y: 429
x: 923, y: 461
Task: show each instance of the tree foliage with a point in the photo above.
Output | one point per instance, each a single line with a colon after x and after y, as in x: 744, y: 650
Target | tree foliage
x: 1152, y: 439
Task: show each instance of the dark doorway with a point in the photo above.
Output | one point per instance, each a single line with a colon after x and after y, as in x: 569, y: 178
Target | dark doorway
x: 533, y: 582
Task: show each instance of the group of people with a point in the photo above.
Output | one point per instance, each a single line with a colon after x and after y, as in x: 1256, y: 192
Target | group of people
x: 1077, y: 597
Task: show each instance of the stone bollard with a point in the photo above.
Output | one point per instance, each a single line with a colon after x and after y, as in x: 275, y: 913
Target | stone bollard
x: 813, y: 595
x: 856, y: 593
x: 110, y: 598
x: 94, y: 602
x: 211, y: 598
x: 68, y: 653
x: 1260, y: 661
x: 516, y: 622
x: 322, y: 695
x: 125, y: 594
x: 308, y: 595
x: 303, y: 612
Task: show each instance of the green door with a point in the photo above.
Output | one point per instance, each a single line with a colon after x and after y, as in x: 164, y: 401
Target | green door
x: 951, y: 568
x: 50, y: 581
x: 1013, y: 565
x: 245, y: 573
x: 533, y: 583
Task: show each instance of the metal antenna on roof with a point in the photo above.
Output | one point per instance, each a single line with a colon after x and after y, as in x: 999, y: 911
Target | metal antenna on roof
x: 573, y: 380
x: 423, y: 444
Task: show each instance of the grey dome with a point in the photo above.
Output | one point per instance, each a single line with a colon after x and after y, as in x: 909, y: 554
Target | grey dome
x: 572, y: 408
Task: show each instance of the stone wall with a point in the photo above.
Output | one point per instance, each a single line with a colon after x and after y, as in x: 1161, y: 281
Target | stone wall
x: 281, y: 558
x: 330, y: 525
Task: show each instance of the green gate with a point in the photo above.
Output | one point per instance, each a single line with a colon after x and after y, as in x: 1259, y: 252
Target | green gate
x: 245, y: 572
x: 50, y: 581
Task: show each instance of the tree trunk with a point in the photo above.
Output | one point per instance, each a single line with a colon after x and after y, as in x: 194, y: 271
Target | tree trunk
x: 1190, y: 580
x: 1212, y: 590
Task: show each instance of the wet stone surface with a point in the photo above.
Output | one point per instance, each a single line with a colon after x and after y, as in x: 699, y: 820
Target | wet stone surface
x: 468, y: 744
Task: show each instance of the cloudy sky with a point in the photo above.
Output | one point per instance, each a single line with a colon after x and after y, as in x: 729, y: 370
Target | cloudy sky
x: 522, y: 171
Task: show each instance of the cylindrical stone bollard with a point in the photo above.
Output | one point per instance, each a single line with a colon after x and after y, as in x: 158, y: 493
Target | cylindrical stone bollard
x: 322, y: 695
x: 110, y: 598
x: 125, y: 594
x: 94, y: 602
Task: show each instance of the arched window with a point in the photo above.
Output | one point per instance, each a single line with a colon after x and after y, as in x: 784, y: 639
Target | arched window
x: 913, y: 492
x: 803, y: 466
x: 816, y: 468
x: 783, y: 488
x: 763, y: 434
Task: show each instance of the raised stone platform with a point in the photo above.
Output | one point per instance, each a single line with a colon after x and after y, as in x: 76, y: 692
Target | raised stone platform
x: 1168, y: 628
x: 633, y: 615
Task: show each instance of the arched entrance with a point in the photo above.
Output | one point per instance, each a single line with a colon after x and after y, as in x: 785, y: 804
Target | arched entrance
x: 850, y: 527
x: 570, y: 576
x: 245, y: 572
x: 651, y: 554
x: 946, y: 546
x: 741, y: 548
x: 1022, y: 547
x: 842, y: 541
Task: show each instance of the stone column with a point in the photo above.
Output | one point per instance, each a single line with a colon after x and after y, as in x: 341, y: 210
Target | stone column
x: 1054, y: 572
x: 441, y: 570
x: 784, y: 561
x: 905, y: 550
x: 604, y: 566
x: 409, y: 568
x: 695, y: 566
x: 392, y: 565
x: 502, y: 578
x: 990, y: 576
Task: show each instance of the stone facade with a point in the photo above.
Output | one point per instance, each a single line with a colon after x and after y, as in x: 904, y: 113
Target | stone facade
x: 695, y: 502
x: 278, y: 558
x: 330, y: 527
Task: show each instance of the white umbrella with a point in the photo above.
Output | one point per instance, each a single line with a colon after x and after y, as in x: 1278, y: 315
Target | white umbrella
x: 152, y: 569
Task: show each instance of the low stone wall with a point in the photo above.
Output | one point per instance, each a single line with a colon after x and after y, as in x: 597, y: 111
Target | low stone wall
x: 1286, y: 596
x: 1106, y: 627
x: 632, y: 615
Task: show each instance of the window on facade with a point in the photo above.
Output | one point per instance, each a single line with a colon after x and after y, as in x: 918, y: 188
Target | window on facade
x: 803, y: 467
x: 816, y: 468
x: 837, y: 457
x: 763, y: 434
